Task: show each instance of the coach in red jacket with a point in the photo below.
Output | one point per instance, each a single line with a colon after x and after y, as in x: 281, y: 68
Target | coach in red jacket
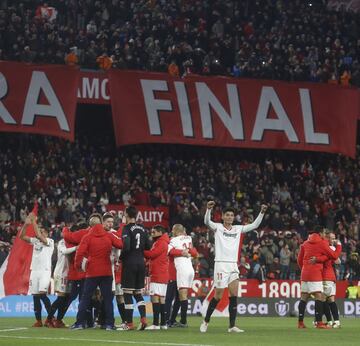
x: 76, y: 278
x: 96, y: 247
x: 159, y: 274
x: 312, y: 273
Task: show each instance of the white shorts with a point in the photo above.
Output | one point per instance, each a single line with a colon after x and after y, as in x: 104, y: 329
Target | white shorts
x: 61, y: 284
x: 185, y: 277
x: 312, y: 286
x: 39, y: 281
x: 225, y: 273
x: 157, y: 289
x: 329, y: 288
x: 118, y: 290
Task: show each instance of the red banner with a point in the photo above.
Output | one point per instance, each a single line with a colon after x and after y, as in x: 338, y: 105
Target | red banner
x: 252, y: 288
x: 147, y: 215
x: 228, y: 112
x: 38, y: 99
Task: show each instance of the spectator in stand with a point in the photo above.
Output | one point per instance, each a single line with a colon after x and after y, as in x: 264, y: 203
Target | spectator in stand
x: 345, y: 78
x: 274, y: 269
x: 72, y: 58
x: 104, y: 62
x: 244, y: 268
x: 354, y: 266
x: 173, y: 69
x: 285, y: 255
x: 3, y: 252
x: 286, y: 40
x: 322, y: 187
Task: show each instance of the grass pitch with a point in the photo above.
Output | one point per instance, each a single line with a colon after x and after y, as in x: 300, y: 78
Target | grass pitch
x: 258, y: 331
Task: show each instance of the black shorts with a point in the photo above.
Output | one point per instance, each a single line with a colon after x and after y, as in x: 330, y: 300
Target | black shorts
x: 133, y: 276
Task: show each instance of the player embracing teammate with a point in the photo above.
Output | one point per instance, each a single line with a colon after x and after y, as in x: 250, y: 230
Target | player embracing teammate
x: 313, y: 253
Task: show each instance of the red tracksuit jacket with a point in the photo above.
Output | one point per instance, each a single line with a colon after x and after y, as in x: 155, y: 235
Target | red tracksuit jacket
x: 328, y: 271
x: 96, y: 247
x: 73, y: 239
x: 317, y: 247
x: 159, y: 260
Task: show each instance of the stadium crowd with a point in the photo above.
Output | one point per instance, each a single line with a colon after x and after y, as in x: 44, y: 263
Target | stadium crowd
x: 73, y: 180
x: 268, y: 39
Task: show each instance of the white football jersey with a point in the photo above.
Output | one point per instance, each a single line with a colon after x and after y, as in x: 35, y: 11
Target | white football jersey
x: 115, y: 252
x: 41, y: 256
x: 227, y: 242
x: 62, y: 264
x: 181, y: 242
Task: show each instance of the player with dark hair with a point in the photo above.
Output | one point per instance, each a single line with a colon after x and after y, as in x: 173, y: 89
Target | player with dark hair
x: 159, y: 275
x: 43, y: 248
x: 226, y: 272
x: 135, y: 241
x: 312, y: 273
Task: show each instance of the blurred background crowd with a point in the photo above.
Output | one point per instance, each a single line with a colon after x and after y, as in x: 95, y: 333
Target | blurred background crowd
x: 72, y: 180
x: 299, y: 40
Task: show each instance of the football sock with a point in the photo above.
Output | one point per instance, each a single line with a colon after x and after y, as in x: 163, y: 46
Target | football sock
x: 334, y: 311
x: 129, y: 307
x: 156, y: 312
x: 62, y: 308
x: 183, y: 310
x: 175, y: 310
x: 121, y: 308
x: 302, y: 306
x: 319, y: 309
x: 37, y: 307
x: 162, y: 314
x: 327, y: 312
x: 46, y: 302
x: 210, y: 309
x: 54, y: 307
x: 232, y: 311
x: 140, y: 304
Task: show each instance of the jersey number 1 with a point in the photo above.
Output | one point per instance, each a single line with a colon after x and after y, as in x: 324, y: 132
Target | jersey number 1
x: 137, y: 237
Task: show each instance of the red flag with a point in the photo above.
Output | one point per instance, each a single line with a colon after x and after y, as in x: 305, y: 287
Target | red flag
x: 15, y: 271
x: 222, y: 309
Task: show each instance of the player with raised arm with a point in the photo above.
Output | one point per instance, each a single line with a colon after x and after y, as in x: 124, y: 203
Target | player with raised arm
x: 136, y: 240
x: 43, y: 248
x: 226, y: 273
x: 184, y: 268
